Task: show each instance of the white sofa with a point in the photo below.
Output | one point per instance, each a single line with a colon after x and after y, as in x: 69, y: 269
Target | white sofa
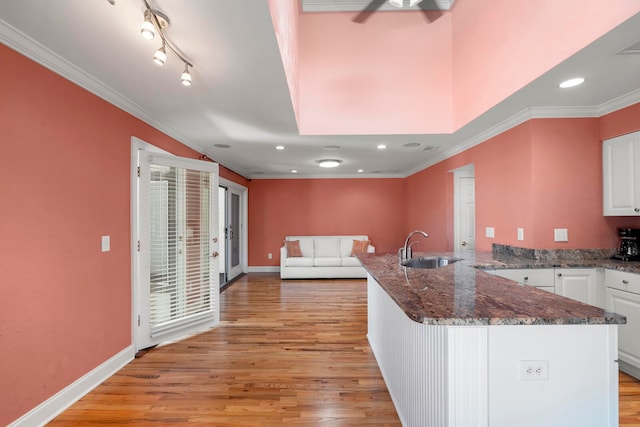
x: 323, y: 257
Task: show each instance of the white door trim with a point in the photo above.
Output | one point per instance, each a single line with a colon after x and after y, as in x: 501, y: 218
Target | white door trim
x: 136, y: 146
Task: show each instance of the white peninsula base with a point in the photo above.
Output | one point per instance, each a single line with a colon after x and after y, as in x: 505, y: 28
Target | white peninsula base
x: 479, y: 376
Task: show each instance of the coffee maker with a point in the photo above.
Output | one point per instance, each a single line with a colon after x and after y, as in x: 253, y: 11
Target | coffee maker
x: 628, y: 250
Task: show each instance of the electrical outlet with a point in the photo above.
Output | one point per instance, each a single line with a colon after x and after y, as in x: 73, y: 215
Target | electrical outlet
x: 270, y: 255
x: 534, y: 370
x: 520, y: 233
x: 490, y: 232
x: 561, y: 235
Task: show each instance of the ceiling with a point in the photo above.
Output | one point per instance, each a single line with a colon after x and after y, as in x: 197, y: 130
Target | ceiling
x: 239, y: 108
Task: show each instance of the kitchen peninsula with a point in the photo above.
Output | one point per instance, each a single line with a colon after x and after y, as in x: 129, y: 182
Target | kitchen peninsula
x: 460, y: 347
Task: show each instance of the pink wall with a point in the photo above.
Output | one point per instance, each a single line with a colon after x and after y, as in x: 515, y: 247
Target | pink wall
x: 282, y: 207
x: 374, y: 77
x: 509, y: 43
x: 541, y: 175
x: 65, y: 307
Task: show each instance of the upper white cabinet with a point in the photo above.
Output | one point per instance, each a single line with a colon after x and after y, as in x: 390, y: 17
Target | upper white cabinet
x: 621, y: 175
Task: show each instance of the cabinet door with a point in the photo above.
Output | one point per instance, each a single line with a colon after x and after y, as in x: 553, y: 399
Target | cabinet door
x: 628, y: 305
x: 621, y: 176
x: 580, y: 284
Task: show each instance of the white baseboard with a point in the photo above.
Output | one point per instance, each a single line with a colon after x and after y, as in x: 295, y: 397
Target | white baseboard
x: 264, y: 269
x: 52, y: 407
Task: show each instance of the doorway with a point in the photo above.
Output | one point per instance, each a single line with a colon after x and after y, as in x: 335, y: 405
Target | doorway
x: 464, y: 209
x: 232, y: 220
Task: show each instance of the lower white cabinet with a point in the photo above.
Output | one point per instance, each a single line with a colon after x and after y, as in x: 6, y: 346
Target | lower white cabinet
x: 580, y: 284
x: 541, y: 278
x: 622, y: 296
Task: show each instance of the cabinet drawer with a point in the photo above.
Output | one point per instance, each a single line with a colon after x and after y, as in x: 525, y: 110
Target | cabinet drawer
x: 622, y: 280
x: 537, y: 277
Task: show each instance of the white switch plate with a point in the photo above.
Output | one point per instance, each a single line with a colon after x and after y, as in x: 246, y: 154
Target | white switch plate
x: 490, y: 232
x: 106, y: 243
x: 520, y: 233
x: 561, y: 235
x: 270, y: 255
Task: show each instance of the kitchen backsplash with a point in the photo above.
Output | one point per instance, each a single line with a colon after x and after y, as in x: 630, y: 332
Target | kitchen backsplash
x: 550, y: 254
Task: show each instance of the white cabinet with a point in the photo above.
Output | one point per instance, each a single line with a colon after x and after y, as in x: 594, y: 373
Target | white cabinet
x: 623, y: 297
x: 541, y: 278
x: 580, y: 284
x: 621, y: 175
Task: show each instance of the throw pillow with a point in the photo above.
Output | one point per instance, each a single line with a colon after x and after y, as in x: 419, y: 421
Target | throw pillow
x: 293, y: 248
x: 359, y: 247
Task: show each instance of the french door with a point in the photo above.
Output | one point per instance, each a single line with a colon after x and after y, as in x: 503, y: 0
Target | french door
x: 177, y: 283
x: 232, y: 237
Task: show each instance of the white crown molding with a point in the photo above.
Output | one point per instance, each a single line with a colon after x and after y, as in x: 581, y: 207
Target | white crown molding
x: 333, y: 176
x: 360, y: 5
x: 33, y: 50
x: 619, y: 103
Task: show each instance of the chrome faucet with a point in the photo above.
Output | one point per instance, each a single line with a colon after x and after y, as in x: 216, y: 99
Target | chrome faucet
x: 405, y: 252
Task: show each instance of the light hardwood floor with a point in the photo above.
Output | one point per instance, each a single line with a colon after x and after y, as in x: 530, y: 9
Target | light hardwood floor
x: 286, y: 353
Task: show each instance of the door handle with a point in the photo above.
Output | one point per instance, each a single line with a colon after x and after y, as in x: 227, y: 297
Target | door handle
x: 464, y: 243
x: 215, y: 254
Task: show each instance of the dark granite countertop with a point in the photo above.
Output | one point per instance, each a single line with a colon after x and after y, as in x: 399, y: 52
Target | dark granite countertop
x: 487, y: 260
x: 462, y: 294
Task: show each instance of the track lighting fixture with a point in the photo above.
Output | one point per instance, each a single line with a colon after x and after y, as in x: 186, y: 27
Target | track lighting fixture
x: 156, y: 21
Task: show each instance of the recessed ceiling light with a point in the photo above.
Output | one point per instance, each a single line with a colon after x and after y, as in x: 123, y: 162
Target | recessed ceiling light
x: 571, y: 82
x: 381, y: 146
x: 222, y: 145
x: 294, y: 170
x: 360, y: 170
x: 329, y: 163
x: 279, y: 147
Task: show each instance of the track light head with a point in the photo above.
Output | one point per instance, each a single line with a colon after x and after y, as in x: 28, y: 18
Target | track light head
x: 186, y: 76
x: 160, y: 57
x: 147, y: 29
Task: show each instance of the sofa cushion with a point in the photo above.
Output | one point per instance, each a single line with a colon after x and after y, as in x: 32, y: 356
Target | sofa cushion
x: 306, y: 246
x: 293, y: 248
x: 351, y: 262
x: 359, y: 247
x: 346, y: 244
x: 299, y: 262
x: 327, y: 262
x: 326, y: 247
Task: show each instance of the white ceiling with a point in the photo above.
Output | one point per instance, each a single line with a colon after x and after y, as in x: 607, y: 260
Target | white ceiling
x: 240, y: 97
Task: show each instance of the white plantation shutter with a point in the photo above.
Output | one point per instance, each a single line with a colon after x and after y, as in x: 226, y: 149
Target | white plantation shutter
x: 180, y: 245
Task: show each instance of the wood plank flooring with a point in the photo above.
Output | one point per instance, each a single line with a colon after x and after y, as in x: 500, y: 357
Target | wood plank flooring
x: 286, y: 353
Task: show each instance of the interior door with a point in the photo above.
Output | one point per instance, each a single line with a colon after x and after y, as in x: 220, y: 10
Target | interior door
x: 464, y: 210
x: 177, y: 273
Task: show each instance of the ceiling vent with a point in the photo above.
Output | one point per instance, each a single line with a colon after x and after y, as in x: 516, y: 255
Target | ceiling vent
x: 632, y: 49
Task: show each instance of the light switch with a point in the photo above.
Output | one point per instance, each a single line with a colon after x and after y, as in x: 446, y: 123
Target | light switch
x: 520, y: 233
x: 490, y: 232
x: 106, y: 243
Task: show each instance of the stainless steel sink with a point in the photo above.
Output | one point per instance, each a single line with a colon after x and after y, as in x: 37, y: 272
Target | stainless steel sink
x: 429, y: 262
